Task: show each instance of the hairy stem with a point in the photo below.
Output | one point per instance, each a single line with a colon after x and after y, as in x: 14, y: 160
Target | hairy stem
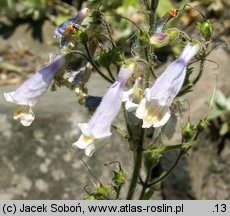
x: 137, y: 165
x: 146, y: 51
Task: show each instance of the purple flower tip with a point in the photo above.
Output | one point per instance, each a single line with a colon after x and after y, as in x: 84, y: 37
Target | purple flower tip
x: 160, y: 36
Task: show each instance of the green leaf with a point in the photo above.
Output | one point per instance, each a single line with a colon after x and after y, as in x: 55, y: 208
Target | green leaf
x: 159, y: 149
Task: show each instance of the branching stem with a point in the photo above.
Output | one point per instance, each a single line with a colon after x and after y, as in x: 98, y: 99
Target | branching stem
x: 89, y: 59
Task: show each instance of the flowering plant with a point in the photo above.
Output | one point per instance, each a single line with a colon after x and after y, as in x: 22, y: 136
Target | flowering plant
x: 147, y: 101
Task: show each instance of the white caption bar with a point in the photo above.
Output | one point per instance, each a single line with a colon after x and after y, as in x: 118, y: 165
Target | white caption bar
x: 114, y: 207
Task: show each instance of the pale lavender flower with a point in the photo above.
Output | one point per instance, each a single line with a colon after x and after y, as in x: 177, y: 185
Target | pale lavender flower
x: 154, y: 107
x: 99, y: 125
x: 30, y: 91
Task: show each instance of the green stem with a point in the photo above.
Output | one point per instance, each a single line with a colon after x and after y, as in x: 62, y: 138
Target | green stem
x: 95, y: 66
x: 137, y: 165
x: 146, y: 51
x: 100, y: 73
x: 200, y: 71
x: 110, y: 73
x: 118, y: 193
x: 145, y: 186
x: 109, y: 32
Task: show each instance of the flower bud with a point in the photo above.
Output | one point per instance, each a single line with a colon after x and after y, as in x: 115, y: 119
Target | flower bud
x: 201, y: 125
x: 206, y: 29
x: 173, y: 33
x: 120, y: 177
x: 104, y: 190
x: 159, y: 40
x: 188, y: 131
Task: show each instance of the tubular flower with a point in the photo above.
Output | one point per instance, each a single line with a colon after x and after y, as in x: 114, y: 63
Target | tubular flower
x: 99, y: 125
x: 65, y: 29
x: 30, y: 91
x: 154, y: 107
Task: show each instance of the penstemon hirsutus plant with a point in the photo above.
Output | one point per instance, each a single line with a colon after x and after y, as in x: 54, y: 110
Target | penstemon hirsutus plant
x: 149, y: 101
